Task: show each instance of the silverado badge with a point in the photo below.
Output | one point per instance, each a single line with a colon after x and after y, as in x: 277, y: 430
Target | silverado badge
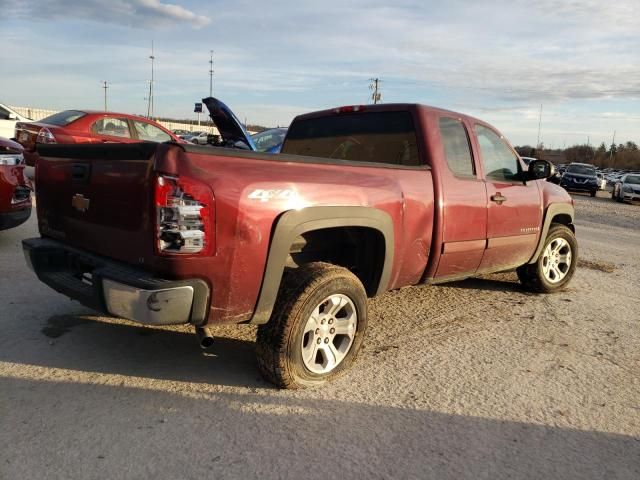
x: 79, y: 202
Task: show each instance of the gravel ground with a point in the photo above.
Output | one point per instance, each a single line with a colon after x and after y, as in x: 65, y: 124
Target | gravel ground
x: 476, y: 379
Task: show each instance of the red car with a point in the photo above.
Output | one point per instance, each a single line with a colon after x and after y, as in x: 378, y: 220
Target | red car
x: 15, y: 189
x: 86, y: 126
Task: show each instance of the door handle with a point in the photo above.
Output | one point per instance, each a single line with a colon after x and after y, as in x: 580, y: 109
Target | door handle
x: 498, y: 198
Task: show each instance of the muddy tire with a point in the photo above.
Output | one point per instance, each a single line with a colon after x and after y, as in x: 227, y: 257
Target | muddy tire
x: 316, y: 329
x: 556, y: 264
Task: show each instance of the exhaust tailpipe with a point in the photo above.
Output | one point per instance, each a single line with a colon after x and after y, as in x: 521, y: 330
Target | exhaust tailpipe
x: 205, y: 338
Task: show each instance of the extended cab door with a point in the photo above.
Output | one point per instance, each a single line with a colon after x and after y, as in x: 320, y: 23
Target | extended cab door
x: 464, y: 203
x: 514, y: 209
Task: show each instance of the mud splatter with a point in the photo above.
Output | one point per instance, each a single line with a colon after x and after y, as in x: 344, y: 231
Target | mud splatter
x: 598, y: 265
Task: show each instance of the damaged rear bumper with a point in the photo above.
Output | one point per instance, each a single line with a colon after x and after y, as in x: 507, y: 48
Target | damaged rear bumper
x: 114, y: 288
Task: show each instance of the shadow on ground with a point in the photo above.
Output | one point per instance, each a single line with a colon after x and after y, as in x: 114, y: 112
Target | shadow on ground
x: 499, y: 282
x: 96, y: 431
x: 86, y: 343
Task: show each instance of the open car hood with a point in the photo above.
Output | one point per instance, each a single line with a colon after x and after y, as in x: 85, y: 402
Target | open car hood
x: 232, y: 132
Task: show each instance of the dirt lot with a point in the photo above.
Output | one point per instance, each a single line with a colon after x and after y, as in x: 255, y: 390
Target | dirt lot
x: 476, y: 379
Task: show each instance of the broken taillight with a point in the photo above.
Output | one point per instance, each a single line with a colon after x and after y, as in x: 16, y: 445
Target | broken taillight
x: 183, y: 216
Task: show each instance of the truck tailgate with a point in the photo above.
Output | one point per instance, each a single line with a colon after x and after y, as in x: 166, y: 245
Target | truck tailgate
x: 98, y: 197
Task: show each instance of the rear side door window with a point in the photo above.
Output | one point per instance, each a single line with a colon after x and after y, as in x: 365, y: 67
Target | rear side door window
x: 457, y: 150
x: 499, y: 161
x: 112, y: 127
x: 150, y: 133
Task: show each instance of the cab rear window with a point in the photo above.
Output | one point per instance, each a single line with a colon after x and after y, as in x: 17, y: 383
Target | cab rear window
x: 62, y: 119
x: 376, y: 137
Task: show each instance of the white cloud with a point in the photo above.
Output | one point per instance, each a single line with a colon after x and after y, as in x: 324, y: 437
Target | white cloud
x: 133, y: 13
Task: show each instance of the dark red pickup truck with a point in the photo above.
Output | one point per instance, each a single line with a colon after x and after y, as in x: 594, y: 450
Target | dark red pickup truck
x: 362, y: 200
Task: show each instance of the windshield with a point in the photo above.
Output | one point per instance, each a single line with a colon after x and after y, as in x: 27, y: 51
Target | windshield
x: 268, y: 139
x: 62, y: 119
x: 581, y: 169
x: 635, y: 179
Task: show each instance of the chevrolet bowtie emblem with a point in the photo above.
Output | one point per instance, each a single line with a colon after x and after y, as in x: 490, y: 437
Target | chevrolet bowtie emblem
x: 80, y: 203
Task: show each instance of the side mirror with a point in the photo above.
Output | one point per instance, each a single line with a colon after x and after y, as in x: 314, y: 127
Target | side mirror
x: 540, y: 169
x: 13, y: 116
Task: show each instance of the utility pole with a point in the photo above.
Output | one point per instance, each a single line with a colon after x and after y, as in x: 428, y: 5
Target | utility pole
x: 376, y: 96
x: 539, y: 123
x: 105, y: 85
x: 150, y: 99
x: 211, y: 75
x: 613, y: 144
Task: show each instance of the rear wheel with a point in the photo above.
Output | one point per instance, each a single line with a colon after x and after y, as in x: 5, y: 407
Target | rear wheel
x: 593, y: 193
x: 316, y: 329
x: 555, y: 266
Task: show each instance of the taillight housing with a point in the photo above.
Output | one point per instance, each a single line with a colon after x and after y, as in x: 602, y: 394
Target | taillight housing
x: 45, y: 136
x: 184, y: 216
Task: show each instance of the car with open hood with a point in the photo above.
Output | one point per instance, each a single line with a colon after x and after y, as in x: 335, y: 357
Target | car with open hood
x: 232, y: 132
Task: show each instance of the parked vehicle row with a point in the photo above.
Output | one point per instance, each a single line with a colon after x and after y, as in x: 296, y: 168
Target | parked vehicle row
x: 584, y: 177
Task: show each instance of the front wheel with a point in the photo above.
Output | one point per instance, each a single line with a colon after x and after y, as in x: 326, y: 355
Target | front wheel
x: 619, y: 196
x: 316, y: 329
x: 555, y: 266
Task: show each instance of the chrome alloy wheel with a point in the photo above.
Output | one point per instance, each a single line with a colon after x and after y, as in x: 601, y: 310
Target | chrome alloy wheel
x: 556, y: 260
x: 329, y: 334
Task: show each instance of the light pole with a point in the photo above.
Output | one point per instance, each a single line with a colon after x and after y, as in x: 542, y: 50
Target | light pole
x: 211, y: 75
x: 150, y: 99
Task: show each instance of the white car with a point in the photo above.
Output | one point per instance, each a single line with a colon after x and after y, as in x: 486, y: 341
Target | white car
x: 627, y: 188
x: 8, y: 120
x: 200, y: 138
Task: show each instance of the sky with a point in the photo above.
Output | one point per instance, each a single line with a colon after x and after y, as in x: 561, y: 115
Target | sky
x: 499, y: 60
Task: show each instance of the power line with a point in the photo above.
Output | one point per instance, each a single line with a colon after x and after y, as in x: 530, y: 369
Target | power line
x: 105, y: 86
x: 376, y: 96
x: 211, y: 75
